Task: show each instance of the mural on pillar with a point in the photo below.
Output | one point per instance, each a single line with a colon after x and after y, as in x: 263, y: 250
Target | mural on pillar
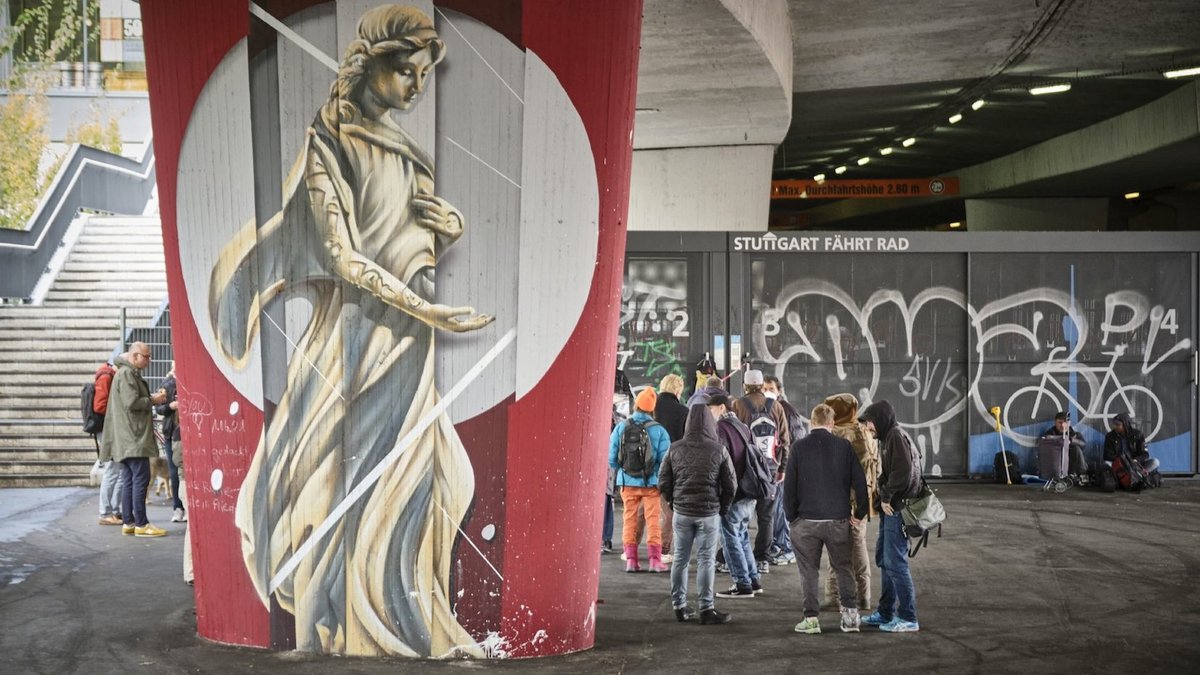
x: 1101, y: 334
x: 366, y: 446
x: 362, y: 192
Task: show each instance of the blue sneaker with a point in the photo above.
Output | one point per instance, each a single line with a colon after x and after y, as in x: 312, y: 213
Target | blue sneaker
x: 898, y: 625
x: 875, y: 619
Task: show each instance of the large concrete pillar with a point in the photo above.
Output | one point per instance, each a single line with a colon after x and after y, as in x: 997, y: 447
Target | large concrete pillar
x: 393, y: 236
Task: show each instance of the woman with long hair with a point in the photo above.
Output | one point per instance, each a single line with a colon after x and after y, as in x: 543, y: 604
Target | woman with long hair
x: 359, y: 235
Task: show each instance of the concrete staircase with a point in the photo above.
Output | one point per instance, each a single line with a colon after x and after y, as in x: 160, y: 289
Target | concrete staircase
x: 48, y: 352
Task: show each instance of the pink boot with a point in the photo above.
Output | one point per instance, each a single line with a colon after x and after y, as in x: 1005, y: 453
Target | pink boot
x: 631, y: 558
x: 655, y: 555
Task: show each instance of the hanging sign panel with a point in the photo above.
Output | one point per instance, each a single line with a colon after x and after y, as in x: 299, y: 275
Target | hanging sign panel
x: 883, y: 188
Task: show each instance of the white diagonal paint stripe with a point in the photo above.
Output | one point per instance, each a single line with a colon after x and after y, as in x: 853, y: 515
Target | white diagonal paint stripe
x: 301, y: 352
x: 468, y: 540
x: 295, y: 37
x: 479, y: 159
x: 485, y: 61
x: 401, y: 446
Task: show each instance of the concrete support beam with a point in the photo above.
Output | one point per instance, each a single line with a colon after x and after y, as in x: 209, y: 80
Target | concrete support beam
x: 713, y: 188
x: 986, y: 215
x: 1129, y: 151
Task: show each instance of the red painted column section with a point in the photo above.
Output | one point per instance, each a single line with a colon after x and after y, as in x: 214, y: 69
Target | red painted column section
x: 558, y: 434
x: 549, y: 449
x: 184, y: 43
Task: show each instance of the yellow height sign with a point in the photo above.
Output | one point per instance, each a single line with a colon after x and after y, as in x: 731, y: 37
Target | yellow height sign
x: 864, y: 189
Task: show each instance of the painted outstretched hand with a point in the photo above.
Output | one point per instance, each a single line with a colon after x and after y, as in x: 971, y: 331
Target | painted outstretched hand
x: 456, y: 319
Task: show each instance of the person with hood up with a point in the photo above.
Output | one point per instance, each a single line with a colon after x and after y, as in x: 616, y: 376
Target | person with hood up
x: 641, y: 491
x: 697, y: 480
x: 1126, y: 438
x: 845, y: 425
x: 900, y: 477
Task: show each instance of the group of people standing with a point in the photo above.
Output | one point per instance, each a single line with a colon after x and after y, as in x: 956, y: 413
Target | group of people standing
x: 127, y: 444
x: 712, y: 471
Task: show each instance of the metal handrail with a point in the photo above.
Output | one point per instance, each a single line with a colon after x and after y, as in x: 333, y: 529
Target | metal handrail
x: 89, y: 178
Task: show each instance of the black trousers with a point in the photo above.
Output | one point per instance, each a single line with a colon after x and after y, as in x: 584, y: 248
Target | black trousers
x: 765, y: 510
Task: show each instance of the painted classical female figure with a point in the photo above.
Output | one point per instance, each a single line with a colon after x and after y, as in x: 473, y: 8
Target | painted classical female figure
x: 359, y: 235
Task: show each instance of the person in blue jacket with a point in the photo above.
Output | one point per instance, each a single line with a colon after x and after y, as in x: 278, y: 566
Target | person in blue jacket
x: 638, y: 478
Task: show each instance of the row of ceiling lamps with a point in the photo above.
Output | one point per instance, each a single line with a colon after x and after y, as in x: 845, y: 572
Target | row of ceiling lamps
x: 957, y: 117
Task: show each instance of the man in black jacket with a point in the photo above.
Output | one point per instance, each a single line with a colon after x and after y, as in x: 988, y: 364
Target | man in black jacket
x: 672, y: 415
x: 169, y: 411
x: 697, y: 479
x: 822, y: 469
x: 900, y: 477
x: 1063, y: 434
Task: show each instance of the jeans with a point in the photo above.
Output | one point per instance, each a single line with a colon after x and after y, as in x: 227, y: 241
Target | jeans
x: 702, y: 532
x: 765, y: 536
x: 173, y: 473
x: 135, y: 478
x: 735, y: 536
x: 783, y: 538
x: 809, y: 537
x: 110, y: 489
x: 188, y: 572
x: 606, y: 533
x: 898, y: 596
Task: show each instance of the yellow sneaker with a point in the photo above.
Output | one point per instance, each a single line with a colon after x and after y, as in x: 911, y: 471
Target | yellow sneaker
x: 127, y: 529
x: 149, y: 531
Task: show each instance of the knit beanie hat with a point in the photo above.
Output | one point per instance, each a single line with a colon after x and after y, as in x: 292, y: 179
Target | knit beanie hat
x: 646, y: 400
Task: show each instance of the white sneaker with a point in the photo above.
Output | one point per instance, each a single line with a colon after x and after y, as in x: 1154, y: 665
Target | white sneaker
x: 178, y: 517
x: 850, y: 620
x: 667, y: 558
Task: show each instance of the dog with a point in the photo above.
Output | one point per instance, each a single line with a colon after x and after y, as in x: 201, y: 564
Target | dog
x: 160, y: 479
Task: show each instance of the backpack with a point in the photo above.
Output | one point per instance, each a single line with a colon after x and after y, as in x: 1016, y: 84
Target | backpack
x: 635, y: 454
x: 796, y: 428
x: 93, y: 422
x: 1129, y: 472
x: 758, y: 480
x: 1014, y: 472
x: 921, y: 513
x: 763, y: 428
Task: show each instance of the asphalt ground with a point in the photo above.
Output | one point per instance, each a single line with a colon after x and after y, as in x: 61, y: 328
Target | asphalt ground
x: 1022, y: 581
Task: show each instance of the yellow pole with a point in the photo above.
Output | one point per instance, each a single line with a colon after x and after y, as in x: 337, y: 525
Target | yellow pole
x: 1003, y: 455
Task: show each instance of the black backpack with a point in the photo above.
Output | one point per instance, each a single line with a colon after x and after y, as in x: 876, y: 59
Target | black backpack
x: 635, y: 453
x: 93, y: 422
x: 1014, y: 472
x: 758, y: 480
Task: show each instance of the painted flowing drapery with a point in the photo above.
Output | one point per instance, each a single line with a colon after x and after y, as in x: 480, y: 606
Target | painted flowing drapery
x: 355, y: 238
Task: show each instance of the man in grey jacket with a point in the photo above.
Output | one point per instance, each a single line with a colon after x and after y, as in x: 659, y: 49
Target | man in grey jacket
x: 696, y: 478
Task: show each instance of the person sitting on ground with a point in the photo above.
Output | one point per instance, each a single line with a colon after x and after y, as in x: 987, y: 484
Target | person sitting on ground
x: 1062, y: 430
x: 866, y: 449
x: 696, y: 479
x: 640, y: 490
x: 822, y: 476
x: 1126, y: 438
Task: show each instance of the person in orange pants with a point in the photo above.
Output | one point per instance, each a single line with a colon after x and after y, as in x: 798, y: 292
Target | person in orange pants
x: 636, y: 450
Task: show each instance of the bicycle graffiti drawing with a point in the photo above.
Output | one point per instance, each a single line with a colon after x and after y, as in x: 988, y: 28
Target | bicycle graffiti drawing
x: 1041, y: 401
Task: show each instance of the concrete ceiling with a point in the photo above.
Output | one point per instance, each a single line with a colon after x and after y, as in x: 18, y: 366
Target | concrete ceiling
x: 867, y: 74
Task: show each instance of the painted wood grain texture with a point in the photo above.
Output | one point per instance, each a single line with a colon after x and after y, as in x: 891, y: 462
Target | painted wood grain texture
x: 530, y: 128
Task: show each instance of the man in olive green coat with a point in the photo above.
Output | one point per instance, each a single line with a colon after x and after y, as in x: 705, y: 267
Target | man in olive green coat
x: 129, y: 437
